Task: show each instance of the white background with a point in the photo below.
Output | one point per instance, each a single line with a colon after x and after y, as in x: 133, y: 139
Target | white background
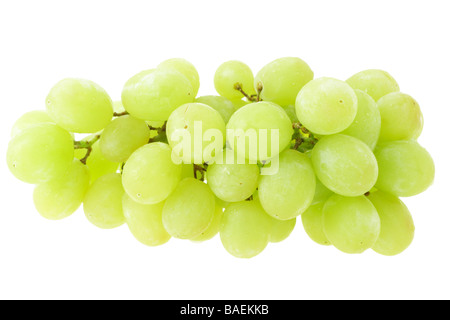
x: 108, y: 41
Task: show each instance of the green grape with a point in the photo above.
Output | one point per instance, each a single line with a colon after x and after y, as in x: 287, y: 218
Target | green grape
x: 376, y: 83
x: 150, y: 175
x: 245, y: 229
x: 40, y: 153
x: 313, y: 224
x: 258, y: 121
x: 326, y: 105
x: 282, y: 79
x: 221, y: 203
x: 367, y: 123
x: 290, y: 191
x: 122, y: 137
x: 351, y: 224
x: 103, y: 202
x: 345, y: 165
x: 214, y: 227
x: 118, y: 107
x: 406, y: 168
x: 290, y: 111
x: 401, y: 118
x: 187, y: 170
x: 185, y: 122
x: 189, y: 210
x: 79, y: 105
x: 397, y: 226
x: 239, y: 103
x: 186, y: 68
x: 232, y: 182
x: 322, y: 193
x: 145, y: 221
x: 96, y: 162
x: 28, y: 120
x: 231, y: 73
x: 224, y: 106
x: 154, y: 94
x: 60, y: 197
x: 280, y: 229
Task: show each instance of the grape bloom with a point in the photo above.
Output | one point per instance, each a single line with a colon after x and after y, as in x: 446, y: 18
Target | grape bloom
x: 243, y: 164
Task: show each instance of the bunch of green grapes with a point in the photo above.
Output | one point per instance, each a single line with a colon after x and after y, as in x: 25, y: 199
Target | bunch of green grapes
x: 243, y: 164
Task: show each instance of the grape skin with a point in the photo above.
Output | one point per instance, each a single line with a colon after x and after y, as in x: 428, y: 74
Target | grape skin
x: 122, y: 137
x: 290, y: 191
x: 245, y: 229
x: 149, y: 175
x: 79, y: 105
x: 326, y: 105
x: 60, y: 197
x: 405, y: 168
x: 345, y: 165
x: 351, y: 224
x: 40, y: 153
x: 103, y: 202
x: 145, y: 221
x: 397, y: 226
x: 189, y: 210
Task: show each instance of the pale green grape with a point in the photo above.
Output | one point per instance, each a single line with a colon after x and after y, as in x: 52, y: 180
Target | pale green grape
x: 60, y: 197
x: 187, y: 170
x: 401, y: 118
x: 280, y: 229
x: 376, y: 83
x: 154, y: 94
x: 102, y: 204
x: 257, y: 120
x: 239, y: 103
x: 150, y: 175
x: 186, y: 68
x: 290, y: 111
x: 122, y: 137
x: 189, y: 119
x: 145, y: 221
x: 322, y: 193
x: 313, y: 224
x: 231, y: 73
x: 290, y: 191
x: 345, y: 165
x: 351, y: 224
x: 326, y: 105
x: 189, y: 210
x: 40, y: 153
x: 367, y: 123
x: 79, y: 105
x: 245, y: 229
x: 224, y: 106
x: 96, y: 162
x: 214, y: 226
x: 397, y: 226
x: 221, y: 203
x: 30, y: 119
x: 282, y: 79
x: 406, y: 168
x: 232, y: 182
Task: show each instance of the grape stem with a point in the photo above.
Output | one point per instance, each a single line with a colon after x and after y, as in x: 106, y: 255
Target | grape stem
x: 304, y: 140
x: 201, y: 169
x: 238, y: 87
x: 161, y: 133
x: 259, y: 88
x: 86, y: 145
x: 120, y: 114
